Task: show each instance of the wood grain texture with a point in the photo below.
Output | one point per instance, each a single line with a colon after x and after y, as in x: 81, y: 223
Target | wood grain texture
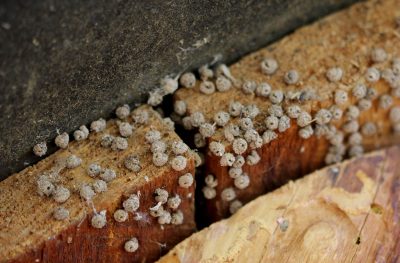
x: 344, y: 40
x: 348, y: 212
x: 29, y: 233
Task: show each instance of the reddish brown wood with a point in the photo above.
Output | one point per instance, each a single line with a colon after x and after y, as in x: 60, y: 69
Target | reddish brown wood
x: 282, y: 160
x: 83, y: 243
x: 344, y: 40
x: 29, y: 233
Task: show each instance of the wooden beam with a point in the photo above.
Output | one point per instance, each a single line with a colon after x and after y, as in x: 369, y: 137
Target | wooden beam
x: 343, y: 213
x: 345, y: 40
x: 29, y: 232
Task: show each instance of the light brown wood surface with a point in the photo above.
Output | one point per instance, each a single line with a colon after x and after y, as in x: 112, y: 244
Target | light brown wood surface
x: 348, y: 212
x: 29, y: 233
x: 344, y: 40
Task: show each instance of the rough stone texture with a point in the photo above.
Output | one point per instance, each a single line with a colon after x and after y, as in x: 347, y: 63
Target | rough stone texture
x: 65, y: 63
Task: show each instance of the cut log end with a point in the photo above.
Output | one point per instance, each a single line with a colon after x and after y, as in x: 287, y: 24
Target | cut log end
x: 343, y: 213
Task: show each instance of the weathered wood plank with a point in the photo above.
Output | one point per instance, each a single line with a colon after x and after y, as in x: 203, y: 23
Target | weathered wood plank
x: 345, y: 40
x: 28, y: 231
